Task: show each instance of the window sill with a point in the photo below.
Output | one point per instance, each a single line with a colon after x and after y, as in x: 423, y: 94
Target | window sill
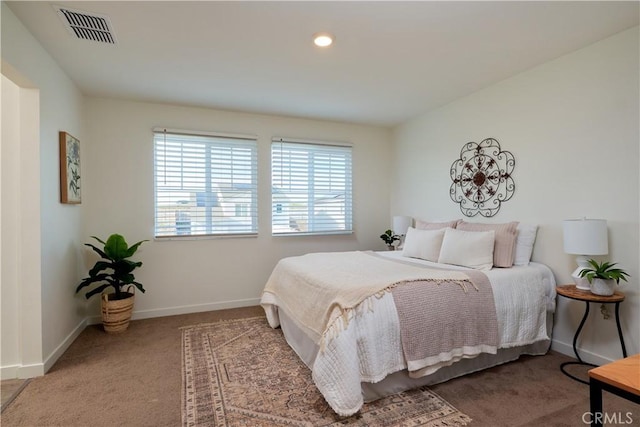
x: 205, y: 237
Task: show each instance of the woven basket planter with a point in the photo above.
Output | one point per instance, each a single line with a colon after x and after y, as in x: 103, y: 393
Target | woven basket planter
x: 116, y: 313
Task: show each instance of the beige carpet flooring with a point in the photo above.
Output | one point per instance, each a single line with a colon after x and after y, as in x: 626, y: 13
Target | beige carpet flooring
x: 9, y: 389
x: 134, y: 379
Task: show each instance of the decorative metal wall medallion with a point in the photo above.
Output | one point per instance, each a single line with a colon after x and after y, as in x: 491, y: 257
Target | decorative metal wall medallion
x: 482, y: 178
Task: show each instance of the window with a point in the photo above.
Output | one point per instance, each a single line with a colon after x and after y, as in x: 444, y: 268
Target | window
x: 311, y: 188
x: 204, y: 184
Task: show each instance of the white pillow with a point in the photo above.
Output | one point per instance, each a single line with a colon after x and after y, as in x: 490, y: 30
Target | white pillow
x: 524, y: 243
x: 423, y: 244
x: 468, y: 248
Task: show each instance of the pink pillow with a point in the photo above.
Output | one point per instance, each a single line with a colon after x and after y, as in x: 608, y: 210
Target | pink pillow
x: 424, y: 225
x: 505, y: 240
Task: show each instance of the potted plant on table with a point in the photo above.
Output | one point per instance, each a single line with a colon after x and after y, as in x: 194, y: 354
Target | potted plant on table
x: 389, y: 238
x: 114, y: 269
x: 603, y: 277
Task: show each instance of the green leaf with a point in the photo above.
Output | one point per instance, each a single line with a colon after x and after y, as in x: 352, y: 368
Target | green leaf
x: 98, y: 251
x: 91, y: 280
x: 132, y: 264
x: 116, y: 247
x: 139, y: 286
x: 132, y: 250
x: 97, y: 290
x: 99, y: 240
x: 605, y: 266
x: 100, y: 266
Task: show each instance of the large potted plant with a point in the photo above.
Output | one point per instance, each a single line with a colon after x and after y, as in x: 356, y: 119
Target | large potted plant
x: 603, y: 277
x: 115, y: 270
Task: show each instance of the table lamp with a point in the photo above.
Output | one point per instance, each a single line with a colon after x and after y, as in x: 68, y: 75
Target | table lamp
x: 400, y: 226
x: 584, y: 237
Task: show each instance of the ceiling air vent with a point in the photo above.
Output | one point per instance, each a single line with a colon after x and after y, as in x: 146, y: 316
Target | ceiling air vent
x: 87, y: 26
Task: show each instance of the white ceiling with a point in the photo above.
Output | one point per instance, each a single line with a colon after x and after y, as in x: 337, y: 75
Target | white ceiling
x: 391, y: 61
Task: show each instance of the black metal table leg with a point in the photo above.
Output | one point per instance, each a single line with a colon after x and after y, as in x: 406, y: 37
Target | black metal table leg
x: 575, y: 337
x: 575, y: 350
x: 595, y: 402
x: 624, y: 349
x: 572, y: 292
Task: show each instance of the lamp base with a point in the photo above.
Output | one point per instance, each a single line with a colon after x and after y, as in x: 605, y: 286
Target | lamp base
x: 582, y: 283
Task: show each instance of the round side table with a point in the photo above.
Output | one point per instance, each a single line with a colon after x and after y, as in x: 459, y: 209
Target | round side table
x: 571, y: 292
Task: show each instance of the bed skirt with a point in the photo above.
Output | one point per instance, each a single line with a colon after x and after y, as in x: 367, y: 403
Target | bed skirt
x: 400, y: 381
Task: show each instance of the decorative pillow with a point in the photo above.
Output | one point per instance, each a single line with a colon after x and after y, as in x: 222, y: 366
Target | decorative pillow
x: 524, y: 243
x: 423, y: 244
x: 504, y: 251
x: 468, y: 248
x: 424, y: 225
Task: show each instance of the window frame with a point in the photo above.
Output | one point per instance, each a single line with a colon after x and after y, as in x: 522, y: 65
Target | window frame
x: 244, y: 141
x: 317, y: 146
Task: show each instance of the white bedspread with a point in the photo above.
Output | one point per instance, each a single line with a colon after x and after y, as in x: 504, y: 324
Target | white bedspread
x: 370, y: 348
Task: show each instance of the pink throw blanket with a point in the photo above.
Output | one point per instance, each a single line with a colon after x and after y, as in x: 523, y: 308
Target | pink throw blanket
x: 443, y: 322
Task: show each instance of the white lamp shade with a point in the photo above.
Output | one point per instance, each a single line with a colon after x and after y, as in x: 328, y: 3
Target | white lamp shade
x: 401, y: 224
x: 585, y: 236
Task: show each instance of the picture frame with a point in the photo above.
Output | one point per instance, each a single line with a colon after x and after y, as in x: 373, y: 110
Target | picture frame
x: 69, y: 169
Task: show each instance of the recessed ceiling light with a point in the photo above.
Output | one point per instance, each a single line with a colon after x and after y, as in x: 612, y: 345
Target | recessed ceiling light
x: 322, y: 39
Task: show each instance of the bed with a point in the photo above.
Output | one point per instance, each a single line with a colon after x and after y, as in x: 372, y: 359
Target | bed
x: 358, y: 319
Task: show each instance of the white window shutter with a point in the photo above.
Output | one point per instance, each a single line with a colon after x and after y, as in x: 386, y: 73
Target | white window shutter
x: 204, y: 185
x: 311, y: 188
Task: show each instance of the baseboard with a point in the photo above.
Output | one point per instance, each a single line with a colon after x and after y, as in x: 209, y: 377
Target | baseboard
x: 587, y: 356
x: 21, y: 371
x: 9, y: 372
x: 64, y: 345
x: 184, y: 309
x: 39, y: 369
x: 31, y: 371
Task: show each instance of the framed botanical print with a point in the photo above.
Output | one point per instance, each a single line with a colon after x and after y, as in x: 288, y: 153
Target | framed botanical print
x: 69, y: 169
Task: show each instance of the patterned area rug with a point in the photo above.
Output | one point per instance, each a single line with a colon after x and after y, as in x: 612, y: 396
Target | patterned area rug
x: 243, y: 373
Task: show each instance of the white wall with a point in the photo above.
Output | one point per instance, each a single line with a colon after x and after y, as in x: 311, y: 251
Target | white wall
x: 9, y: 290
x: 573, y: 126
x: 21, y: 306
x: 50, y: 233
x: 199, y: 275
